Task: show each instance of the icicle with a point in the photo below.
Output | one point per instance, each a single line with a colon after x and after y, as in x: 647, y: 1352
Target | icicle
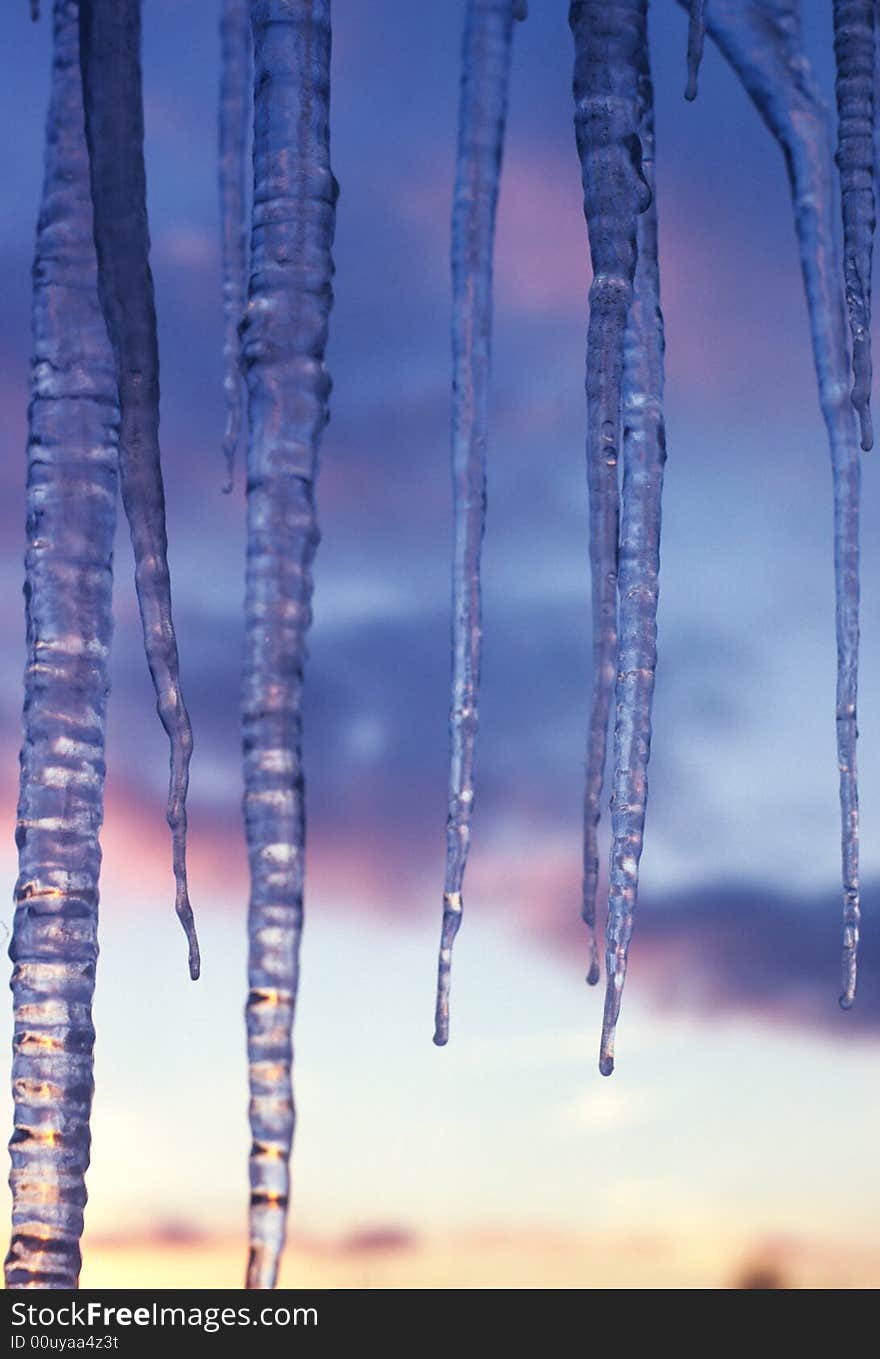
x: 35, y: 10
x: 609, y: 43
x: 482, y: 115
x: 284, y: 337
x: 71, y: 513
x: 764, y: 45
x: 854, y: 52
x: 696, y: 37
x: 644, y: 456
x: 110, y: 34
x: 235, y: 112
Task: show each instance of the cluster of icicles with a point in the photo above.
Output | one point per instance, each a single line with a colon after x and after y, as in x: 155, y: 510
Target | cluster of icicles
x: 94, y: 425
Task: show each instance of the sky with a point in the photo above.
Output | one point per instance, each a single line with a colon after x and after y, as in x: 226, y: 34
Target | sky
x: 744, y: 1106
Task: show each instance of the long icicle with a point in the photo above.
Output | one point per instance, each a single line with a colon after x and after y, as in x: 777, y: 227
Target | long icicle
x: 609, y: 43
x: 644, y: 457
x: 71, y: 515
x: 696, y: 38
x: 854, y: 53
x: 284, y: 338
x: 235, y: 120
x: 110, y: 40
x: 764, y: 45
x: 485, y: 72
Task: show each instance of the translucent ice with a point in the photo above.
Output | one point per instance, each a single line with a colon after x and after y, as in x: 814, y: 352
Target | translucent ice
x: 763, y: 43
x: 482, y: 115
x: 644, y: 456
x: 284, y: 338
x: 110, y: 39
x: 610, y: 51
x: 236, y: 107
x: 71, y: 516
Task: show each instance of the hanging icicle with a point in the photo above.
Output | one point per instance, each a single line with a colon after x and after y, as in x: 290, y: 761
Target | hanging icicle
x: 854, y: 53
x: 235, y: 121
x: 284, y: 338
x: 485, y: 65
x: 764, y: 45
x: 610, y: 42
x: 71, y: 514
x: 696, y: 38
x: 644, y: 457
x: 110, y: 40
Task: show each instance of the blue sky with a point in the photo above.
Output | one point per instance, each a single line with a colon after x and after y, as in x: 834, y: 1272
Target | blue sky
x: 730, y: 1031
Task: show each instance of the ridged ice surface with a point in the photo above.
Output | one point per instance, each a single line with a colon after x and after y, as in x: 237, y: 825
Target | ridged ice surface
x: 854, y: 52
x: 284, y: 338
x: 236, y: 107
x: 610, y: 46
x: 110, y: 39
x: 71, y: 513
x: 696, y: 38
x: 485, y: 67
x: 644, y: 456
x: 764, y: 45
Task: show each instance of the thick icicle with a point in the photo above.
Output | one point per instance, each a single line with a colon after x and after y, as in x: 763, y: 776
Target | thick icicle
x: 110, y: 39
x: 610, y: 40
x: 284, y: 338
x: 485, y: 57
x: 763, y: 43
x: 854, y: 53
x: 696, y: 37
x: 235, y: 116
x: 71, y: 513
x: 644, y: 456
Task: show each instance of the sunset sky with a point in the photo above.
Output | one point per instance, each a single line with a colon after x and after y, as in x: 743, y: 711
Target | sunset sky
x: 744, y: 1105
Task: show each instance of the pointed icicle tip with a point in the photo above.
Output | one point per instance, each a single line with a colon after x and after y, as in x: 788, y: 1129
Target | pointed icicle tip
x: 35, y: 10
x: 850, y: 959
x: 452, y: 908
x: 110, y: 43
x: 486, y: 49
x: 696, y: 37
x: 866, y: 427
x: 593, y: 974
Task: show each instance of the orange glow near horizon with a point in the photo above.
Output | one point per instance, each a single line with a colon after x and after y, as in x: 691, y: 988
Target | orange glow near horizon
x: 491, y: 1259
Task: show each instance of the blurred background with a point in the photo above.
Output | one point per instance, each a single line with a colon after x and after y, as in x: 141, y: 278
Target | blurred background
x: 736, y: 1144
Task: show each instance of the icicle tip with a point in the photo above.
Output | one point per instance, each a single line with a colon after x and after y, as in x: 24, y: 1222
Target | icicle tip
x: 194, y: 956
x: 696, y: 38
x: 452, y: 908
x: 849, y: 962
x: 184, y: 913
